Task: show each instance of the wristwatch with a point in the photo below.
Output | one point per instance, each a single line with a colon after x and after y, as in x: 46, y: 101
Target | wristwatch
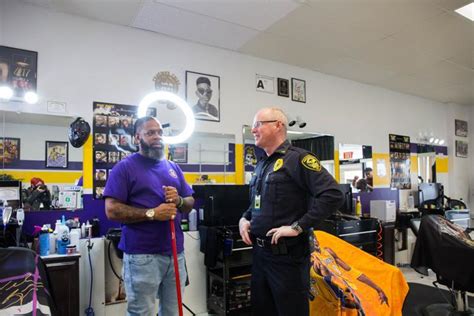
x: 150, y: 214
x: 295, y: 226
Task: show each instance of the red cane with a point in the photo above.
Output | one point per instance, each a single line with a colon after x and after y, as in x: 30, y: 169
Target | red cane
x: 176, y: 269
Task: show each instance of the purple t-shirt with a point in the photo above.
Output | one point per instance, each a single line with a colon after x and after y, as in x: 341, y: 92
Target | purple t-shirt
x: 138, y: 181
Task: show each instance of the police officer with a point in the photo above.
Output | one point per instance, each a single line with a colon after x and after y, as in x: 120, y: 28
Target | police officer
x: 290, y: 192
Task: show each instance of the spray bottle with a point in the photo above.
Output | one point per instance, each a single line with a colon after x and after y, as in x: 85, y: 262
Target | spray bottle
x: 358, y: 207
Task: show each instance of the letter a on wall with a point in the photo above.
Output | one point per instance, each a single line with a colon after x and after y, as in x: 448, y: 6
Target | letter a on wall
x: 265, y: 83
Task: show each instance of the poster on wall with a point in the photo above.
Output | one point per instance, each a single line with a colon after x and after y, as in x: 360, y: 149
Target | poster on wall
x: 400, y: 161
x: 57, y: 154
x: 203, y: 95
x: 178, y: 153
x: 18, y: 70
x: 113, y: 139
x: 461, y: 149
x: 9, y: 150
x: 252, y: 154
x: 460, y: 128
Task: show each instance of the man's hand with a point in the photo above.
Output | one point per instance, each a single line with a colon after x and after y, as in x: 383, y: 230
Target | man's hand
x: 283, y: 231
x: 244, y: 229
x: 171, y: 195
x: 165, y: 212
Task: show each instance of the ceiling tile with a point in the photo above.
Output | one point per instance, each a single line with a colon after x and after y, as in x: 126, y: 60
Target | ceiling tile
x: 255, y: 14
x: 191, y: 26
x: 290, y: 51
x: 446, y: 73
x: 118, y: 12
x: 356, y: 70
x: 396, y: 54
x: 451, y: 5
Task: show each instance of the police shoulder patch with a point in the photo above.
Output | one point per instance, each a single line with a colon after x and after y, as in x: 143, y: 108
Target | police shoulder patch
x: 278, y: 164
x: 311, y: 162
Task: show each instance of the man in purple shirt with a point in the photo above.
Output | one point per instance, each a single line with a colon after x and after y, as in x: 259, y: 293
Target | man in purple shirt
x: 144, y: 192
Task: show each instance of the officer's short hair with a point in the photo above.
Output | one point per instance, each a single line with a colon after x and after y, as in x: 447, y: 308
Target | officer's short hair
x: 279, y: 114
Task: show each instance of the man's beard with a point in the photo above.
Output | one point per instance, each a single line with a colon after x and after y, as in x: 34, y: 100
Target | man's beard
x: 151, y: 152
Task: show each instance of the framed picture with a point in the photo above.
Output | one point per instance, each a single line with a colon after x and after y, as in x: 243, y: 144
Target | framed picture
x: 265, y: 83
x: 461, y: 128
x: 178, y: 153
x: 203, y: 95
x: 9, y: 149
x: 461, y: 149
x: 57, y: 154
x: 298, y: 91
x: 18, y: 70
x: 283, y: 87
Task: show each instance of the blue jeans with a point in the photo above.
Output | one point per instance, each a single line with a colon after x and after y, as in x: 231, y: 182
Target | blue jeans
x: 150, y: 277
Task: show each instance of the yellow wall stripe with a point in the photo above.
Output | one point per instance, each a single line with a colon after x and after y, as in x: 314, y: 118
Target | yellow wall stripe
x: 381, y: 170
x: 337, y: 171
x: 88, y: 155
x: 239, y: 164
x: 442, y: 164
x: 414, y: 164
x: 69, y: 177
x: 192, y: 178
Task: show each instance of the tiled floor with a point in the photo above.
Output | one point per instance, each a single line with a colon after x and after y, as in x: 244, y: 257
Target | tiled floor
x: 412, y: 276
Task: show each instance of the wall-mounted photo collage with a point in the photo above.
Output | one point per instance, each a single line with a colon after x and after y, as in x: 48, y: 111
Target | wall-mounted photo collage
x: 113, y: 139
x: 400, y: 161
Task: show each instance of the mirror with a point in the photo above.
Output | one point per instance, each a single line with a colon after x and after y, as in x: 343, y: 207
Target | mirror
x: 426, y: 163
x: 322, y: 145
x: 210, y: 158
x: 356, y: 167
x: 35, y: 150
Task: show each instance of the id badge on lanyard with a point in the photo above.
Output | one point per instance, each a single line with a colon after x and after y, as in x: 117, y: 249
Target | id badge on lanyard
x: 256, y: 203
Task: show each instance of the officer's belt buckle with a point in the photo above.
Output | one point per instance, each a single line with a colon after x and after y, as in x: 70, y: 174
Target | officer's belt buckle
x: 260, y: 242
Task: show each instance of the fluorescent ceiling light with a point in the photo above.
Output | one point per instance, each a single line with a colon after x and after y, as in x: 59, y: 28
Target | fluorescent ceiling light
x: 467, y: 11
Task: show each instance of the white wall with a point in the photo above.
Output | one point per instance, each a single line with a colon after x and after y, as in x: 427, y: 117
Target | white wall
x: 81, y: 61
x: 33, y: 139
x: 2, y: 13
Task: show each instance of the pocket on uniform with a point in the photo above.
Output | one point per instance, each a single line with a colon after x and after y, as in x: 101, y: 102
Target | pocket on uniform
x: 275, y: 184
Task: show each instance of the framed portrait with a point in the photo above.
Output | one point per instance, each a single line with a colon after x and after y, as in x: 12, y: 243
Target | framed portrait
x: 203, y: 95
x: 461, y: 149
x: 18, y: 70
x: 57, y: 154
x: 298, y: 90
x: 283, y: 87
x: 9, y: 149
x: 460, y: 128
x: 178, y: 153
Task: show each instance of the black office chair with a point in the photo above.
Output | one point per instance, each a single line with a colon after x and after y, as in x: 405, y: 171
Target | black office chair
x: 24, y: 283
x: 446, y: 249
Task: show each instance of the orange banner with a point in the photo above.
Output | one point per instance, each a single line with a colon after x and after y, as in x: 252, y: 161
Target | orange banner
x: 348, y: 281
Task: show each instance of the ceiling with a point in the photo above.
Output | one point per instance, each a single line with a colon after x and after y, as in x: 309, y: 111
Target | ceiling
x: 417, y: 47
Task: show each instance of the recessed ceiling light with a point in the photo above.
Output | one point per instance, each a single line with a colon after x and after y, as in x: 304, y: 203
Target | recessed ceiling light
x: 467, y: 11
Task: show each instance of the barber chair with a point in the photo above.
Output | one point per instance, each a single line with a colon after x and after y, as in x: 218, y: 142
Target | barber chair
x: 24, y: 284
x: 446, y: 249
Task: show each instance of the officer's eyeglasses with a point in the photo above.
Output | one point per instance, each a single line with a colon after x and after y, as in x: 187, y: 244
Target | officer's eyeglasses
x: 153, y: 132
x: 258, y: 124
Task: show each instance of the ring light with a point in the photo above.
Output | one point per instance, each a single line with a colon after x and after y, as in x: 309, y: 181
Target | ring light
x: 170, y: 97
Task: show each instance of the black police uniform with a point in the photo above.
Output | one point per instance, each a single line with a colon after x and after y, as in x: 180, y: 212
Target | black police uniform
x: 288, y: 186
